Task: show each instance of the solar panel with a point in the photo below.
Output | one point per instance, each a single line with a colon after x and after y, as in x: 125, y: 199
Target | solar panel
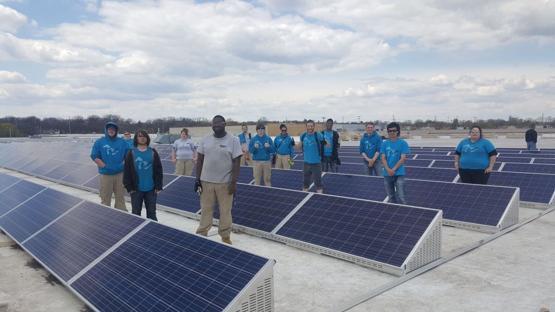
x: 168, y: 178
x: 352, y: 168
x: 46, y: 167
x: 529, y: 154
x: 365, y: 187
x: 418, y: 162
x: 245, y: 175
x: 93, y: 183
x: 163, y: 269
x: 468, y: 203
x: 81, y: 174
x: 436, y: 157
x: 450, y: 164
x: 537, y: 188
x: 288, y: 179
x: 71, y: 243
x: 262, y: 208
x: 544, y: 161
x: 523, y: 160
x: 433, y: 174
x: 36, y: 213
x: 385, y: 234
x: 168, y: 166
x: 16, y: 194
x: 7, y: 181
x: 180, y: 195
x: 532, y: 168
x: 60, y: 171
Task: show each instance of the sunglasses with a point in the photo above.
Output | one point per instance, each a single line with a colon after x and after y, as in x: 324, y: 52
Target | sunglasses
x: 391, y: 131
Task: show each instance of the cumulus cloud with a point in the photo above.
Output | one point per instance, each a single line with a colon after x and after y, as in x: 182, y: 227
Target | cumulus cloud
x: 10, y: 19
x: 11, y: 77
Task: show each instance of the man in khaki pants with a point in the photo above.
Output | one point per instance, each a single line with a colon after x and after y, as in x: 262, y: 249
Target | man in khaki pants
x: 108, y: 154
x: 184, y: 154
x: 284, y: 147
x: 261, y: 148
x: 218, y: 165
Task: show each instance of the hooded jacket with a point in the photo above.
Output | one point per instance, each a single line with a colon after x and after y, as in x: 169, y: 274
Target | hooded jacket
x: 111, y: 150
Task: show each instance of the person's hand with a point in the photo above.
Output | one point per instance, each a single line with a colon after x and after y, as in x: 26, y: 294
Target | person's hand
x: 370, y: 162
x: 157, y: 191
x: 390, y: 172
x: 488, y: 170
x: 256, y: 145
x: 266, y: 145
x: 198, y: 187
x: 456, y: 166
x: 232, y: 187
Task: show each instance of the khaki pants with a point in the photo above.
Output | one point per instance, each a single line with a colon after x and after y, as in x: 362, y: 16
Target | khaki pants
x: 112, y: 184
x: 245, y: 161
x: 213, y: 193
x: 184, y: 167
x: 262, y: 168
x: 282, y: 161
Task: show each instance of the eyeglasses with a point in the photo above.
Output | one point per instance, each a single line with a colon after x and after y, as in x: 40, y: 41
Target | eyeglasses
x: 391, y: 131
x: 283, y: 130
x: 475, y: 132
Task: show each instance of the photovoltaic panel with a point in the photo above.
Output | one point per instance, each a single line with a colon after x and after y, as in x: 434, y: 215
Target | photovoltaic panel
x: 433, y: 174
x: 298, y: 164
x: 64, y: 169
x: 46, y: 167
x: 168, y: 166
x: 544, y: 161
x: 418, y: 162
x: 449, y: 164
x: 523, y: 160
x: 479, y: 204
x: 36, y: 213
x: 532, y: 168
x: 71, y: 243
x: 163, y: 269
x: 93, y: 183
x: 529, y: 154
x: 365, y: 187
x: 180, y: 195
x: 81, y: 175
x: 16, y: 194
x: 263, y: 208
x: 537, y: 188
x: 6, y: 181
x: 168, y: 178
x: 384, y: 233
x: 288, y: 179
x: 352, y: 168
x: 436, y: 157
x: 245, y: 175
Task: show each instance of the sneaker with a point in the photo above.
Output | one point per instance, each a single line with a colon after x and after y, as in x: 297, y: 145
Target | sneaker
x: 320, y: 191
x: 227, y: 240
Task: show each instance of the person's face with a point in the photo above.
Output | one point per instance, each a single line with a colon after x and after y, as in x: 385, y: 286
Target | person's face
x: 369, y: 129
x: 218, y: 125
x: 245, y: 129
x: 111, y: 131
x: 392, y: 133
x: 141, y: 139
x: 283, y: 131
x: 310, y: 127
x: 184, y: 135
x: 261, y: 131
x: 329, y: 125
x: 127, y: 136
x: 475, y: 134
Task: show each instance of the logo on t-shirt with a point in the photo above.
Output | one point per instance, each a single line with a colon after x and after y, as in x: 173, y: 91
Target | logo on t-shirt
x: 141, y: 164
x: 110, y: 151
x: 470, y: 148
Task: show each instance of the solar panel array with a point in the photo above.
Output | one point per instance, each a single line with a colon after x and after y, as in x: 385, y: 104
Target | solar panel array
x: 108, y: 257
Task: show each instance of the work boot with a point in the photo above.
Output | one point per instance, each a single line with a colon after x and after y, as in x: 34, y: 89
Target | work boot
x: 227, y: 240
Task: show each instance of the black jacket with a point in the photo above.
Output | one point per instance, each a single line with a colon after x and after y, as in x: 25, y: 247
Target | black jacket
x: 531, y: 136
x: 130, y: 178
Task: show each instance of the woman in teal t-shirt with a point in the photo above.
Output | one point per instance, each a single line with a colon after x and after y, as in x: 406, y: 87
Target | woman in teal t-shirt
x: 475, y: 157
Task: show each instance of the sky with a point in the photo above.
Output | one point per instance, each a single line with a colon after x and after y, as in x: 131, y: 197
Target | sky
x: 279, y: 59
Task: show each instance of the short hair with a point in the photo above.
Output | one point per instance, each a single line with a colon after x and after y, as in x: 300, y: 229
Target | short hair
x: 370, y: 123
x: 219, y: 116
x: 260, y: 126
x: 185, y: 130
x: 143, y: 133
x: 396, y: 126
x: 282, y: 126
x: 329, y: 119
x: 310, y: 121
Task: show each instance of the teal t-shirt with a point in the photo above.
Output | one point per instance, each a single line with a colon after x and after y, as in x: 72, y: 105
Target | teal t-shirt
x: 311, y: 147
x: 474, y: 155
x: 393, y: 151
x: 143, y: 167
x: 328, y: 148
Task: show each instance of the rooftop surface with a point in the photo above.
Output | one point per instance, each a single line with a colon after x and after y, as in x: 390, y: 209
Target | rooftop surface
x: 509, y: 271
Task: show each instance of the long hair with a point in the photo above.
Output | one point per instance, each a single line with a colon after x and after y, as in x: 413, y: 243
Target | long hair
x: 143, y: 133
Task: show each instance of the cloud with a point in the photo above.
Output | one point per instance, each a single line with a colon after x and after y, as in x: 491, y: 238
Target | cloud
x: 10, y: 19
x: 11, y: 77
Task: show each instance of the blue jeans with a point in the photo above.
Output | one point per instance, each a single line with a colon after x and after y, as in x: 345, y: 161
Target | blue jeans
x: 149, y: 198
x: 531, y: 145
x: 395, y: 188
x: 375, y: 170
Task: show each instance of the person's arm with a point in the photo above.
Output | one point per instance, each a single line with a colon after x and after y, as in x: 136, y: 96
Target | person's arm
x: 361, y: 150
x: 457, y: 161
x: 400, y: 162
x: 458, y: 151
x: 386, y: 166
x: 492, y: 158
x: 95, y: 156
x: 235, y: 167
x: 173, y: 159
x: 158, y: 172
x: 200, y: 161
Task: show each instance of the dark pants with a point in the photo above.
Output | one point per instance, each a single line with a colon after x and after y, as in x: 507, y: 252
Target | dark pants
x: 312, y: 173
x: 395, y: 189
x: 149, y: 198
x: 475, y: 176
x: 328, y: 164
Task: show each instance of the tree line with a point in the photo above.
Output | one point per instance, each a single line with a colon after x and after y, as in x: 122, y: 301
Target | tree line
x: 26, y: 126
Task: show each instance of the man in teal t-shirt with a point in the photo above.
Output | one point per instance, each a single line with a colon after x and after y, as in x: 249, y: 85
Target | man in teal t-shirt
x: 393, y: 153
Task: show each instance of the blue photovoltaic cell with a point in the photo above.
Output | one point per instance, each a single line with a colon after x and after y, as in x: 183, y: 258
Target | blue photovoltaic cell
x: 378, y: 231
x: 168, y: 166
x: 472, y: 203
x: 180, y: 195
x: 6, y: 180
x: 298, y: 164
x: 46, y: 167
x: 288, y: 179
x: 81, y: 175
x: 365, y: 187
x: 436, y: 157
x: 523, y: 160
x: 262, y: 208
x: 433, y: 174
x: 36, y: 213
x: 17, y: 194
x: 527, y: 154
x: 351, y: 160
x: 75, y: 240
x: 245, y: 175
x: 534, y: 187
x: 544, y: 161
x: 418, y: 162
x: 352, y: 168
x: 163, y: 269
x: 168, y: 178
x: 58, y: 172
x: 450, y: 164
x: 532, y: 168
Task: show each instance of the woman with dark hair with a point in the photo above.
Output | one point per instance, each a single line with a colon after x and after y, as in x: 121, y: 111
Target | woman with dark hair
x: 475, y: 157
x: 142, y: 175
